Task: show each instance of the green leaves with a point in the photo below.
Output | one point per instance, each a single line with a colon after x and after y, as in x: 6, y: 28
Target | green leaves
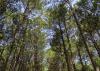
x: 97, y: 60
x: 3, y: 6
x: 1, y: 36
x: 26, y: 32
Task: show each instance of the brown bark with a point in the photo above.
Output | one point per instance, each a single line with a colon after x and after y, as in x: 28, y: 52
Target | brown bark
x: 81, y: 34
x: 79, y: 54
x: 66, y: 52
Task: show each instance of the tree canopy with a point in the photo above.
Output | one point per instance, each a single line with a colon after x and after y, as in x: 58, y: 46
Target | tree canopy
x: 49, y: 35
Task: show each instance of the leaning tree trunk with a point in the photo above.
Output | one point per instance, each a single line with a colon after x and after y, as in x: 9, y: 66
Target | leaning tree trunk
x: 95, y: 44
x: 36, y: 59
x: 66, y: 52
x: 83, y: 38
x: 80, y: 58
x: 69, y: 44
x: 11, y: 49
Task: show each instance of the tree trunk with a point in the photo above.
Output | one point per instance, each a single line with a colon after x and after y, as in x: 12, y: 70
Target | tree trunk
x: 95, y: 44
x: 81, y: 34
x: 66, y: 52
x: 79, y: 54
x: 69, y: 44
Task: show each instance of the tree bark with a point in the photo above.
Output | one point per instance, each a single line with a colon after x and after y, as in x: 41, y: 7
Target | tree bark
x: 95, y: 44
x: 66, y: 52
x: 81, y: 34
x: 79, y: 54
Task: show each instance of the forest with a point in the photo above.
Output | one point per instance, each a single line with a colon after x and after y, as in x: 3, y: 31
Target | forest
x: 49, y: 35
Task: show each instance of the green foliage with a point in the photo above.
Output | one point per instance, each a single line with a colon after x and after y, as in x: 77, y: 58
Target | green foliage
x: 97, y: 60
x: 1, y: 35
x: 24, y: 44
x: 50, y: 53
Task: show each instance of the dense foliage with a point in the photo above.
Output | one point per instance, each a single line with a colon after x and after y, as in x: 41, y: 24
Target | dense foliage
x: 49, y: 35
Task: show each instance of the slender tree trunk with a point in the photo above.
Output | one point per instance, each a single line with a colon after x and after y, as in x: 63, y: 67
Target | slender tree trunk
x: 66, y: 52
x: 11, y: 48
x: 21, y: 51
x: 79, y: 54
x: 84, y: 41
x: 83, y: 38
x: 69, y: 44
x: 95, y: 44
x: 36, y: 59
